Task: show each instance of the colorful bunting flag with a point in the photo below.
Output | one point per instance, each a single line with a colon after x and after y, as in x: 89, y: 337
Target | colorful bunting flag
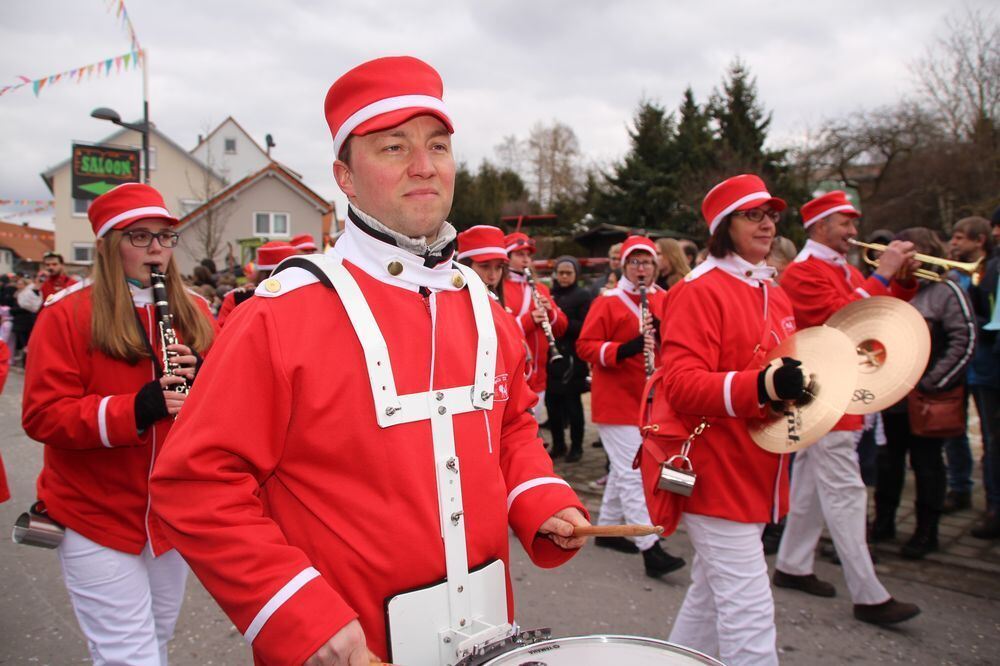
x: 122, y: 62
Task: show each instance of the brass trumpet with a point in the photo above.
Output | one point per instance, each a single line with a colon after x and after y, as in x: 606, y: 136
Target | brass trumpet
x: 973, y: 268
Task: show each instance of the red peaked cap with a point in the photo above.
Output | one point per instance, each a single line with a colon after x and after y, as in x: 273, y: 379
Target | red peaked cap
x: 303, y: 243
x: 383, y: 93
x: 125, y: 204
x: 734, y: 194
x: 519, y: 241
x: 826, y: 205
x: 272, y: 253
x: 482, y: 243
x: 641, y: 243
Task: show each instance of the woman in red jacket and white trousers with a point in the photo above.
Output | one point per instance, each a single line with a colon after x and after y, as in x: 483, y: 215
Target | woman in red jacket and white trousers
x: 718, y: 325
x: 95, y: 395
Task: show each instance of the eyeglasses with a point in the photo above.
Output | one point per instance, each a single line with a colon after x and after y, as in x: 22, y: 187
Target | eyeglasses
x: 640, y: 263
x: 143, y: 238
x: 757, y: 214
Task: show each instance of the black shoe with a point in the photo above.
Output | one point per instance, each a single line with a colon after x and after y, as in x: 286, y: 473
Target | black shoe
x: 956, y: 501
x: 621, y: 544
x: 557, y: 451
x: 809, y: 584
x: 771, y: 538
x: 919, y: 545
x: 597, y: 444
x: 890, y: 612
x: 574, y: 455
x: 659, y: 562
x: 881, y: 530
x: 989, y: 528
x: 545, y: 424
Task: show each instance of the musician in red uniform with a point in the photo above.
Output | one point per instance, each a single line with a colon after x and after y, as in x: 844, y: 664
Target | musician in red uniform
x: 56, y: 278
x: 304, y: 243
x: 361, y: 437
x: 615, y: 343
x: 718, y: 325
x: 482, y: 248
x: 517, y: 299
x: 269, y: 255
x: 96, y: 397
x: 827, y: 483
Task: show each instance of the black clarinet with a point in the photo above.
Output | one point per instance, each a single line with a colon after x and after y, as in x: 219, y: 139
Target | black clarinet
x: 554, y: 355
x: 165, y: 324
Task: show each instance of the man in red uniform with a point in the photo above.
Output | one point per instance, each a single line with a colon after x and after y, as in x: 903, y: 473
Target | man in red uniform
x: 56, y: 278
x: 361, y: 439
x: 826, y: 479
x: 529, y: 316
x: 616, y: 344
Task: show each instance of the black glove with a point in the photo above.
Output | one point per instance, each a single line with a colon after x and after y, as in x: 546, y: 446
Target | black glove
x: 781, y: 382
x: 150, y: 406
x: 630, y: 348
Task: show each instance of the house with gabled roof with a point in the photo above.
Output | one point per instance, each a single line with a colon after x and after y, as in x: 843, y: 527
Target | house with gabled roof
x: 231, y: 152
x: 22, y: 248
x: 270, y: 204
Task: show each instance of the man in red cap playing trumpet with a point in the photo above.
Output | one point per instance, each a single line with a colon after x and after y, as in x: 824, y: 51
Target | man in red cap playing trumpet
x: 350, y: 486
x: 826, y: 479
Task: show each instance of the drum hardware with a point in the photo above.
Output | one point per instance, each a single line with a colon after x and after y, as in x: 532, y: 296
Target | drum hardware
x: 892, y: 345
x: 677, y: 480
x: 480, y: 654
x: 973, y: 268
x: 827, y: 356
x: 596, y: 650
x: 35, y: 527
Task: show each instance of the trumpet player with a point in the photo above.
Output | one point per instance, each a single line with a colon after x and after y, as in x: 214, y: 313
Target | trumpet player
x: 618, y: 340
x: 826, y: 479
x: 533, y: 312
x: 96, y: 396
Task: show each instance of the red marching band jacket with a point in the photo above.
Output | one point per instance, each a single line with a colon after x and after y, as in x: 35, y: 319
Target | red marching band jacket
x: 820, y: 281
x: 517, y: 298
x: 613, y: 319
x: 717, y: 326
x: 309, y: 514
x: 80, y: 404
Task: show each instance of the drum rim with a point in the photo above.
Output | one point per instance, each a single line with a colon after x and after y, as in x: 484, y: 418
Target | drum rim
x: 607, y: 638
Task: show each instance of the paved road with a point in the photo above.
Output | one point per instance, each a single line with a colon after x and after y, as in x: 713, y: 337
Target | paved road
x: 598, y: 592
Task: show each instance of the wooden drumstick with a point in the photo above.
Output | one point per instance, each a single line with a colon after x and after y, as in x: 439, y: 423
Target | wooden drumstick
x: 616, y: 530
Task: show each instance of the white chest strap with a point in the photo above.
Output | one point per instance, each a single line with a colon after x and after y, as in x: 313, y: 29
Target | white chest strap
x: 438, y: 406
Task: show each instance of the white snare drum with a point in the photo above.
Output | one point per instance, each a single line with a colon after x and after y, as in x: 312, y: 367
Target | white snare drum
x: 601, y: 650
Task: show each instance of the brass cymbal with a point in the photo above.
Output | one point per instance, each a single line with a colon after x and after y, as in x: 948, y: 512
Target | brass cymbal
x: 827, y: 357
x: 893, y: 345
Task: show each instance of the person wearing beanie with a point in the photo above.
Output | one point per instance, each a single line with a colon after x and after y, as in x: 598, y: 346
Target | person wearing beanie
x: 719, y: 323
x: 269, y: 255
x: 615, y: 341
x: 563, y: 394
x: 827, y: 485
x: 518, y: 300
x: 97, y: 398
x: 362, y: 442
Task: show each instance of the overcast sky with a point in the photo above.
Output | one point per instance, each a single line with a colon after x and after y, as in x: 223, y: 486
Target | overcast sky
x: 506, y: 65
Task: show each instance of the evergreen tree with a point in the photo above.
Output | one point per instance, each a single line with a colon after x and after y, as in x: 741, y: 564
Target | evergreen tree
x: 696, y: 155
x: 641, y: 189
x: 741, y: 122
x: 481, y: 198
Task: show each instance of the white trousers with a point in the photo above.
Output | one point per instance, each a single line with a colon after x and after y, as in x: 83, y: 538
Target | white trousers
x: 624, y: 501
x: 827, y: 486
x: 127, y: 605
x: 728, y: 611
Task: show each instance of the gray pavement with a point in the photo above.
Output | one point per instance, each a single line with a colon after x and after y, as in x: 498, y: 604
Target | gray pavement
x: 599, y: 591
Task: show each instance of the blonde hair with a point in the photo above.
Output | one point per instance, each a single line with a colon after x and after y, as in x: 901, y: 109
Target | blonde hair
x: 113, y: 329
x: 672, y: 254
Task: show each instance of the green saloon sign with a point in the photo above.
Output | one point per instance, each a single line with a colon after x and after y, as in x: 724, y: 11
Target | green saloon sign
x: 97, y: 169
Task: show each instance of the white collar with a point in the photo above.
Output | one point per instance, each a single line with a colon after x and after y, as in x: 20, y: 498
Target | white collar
x: 822, y: 252
x: 738, y: 267
x: 519, y: 278
x: 141, y: 295
x: 377, y: 258
x: 629, y: 287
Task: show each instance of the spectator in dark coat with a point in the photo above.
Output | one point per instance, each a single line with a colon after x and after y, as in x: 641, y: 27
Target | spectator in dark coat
x: 562, y: 394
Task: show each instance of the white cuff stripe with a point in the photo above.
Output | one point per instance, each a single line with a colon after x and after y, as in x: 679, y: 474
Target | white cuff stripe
x: 827, y: 213
x: 482, y: 250
x: 864, y: 294
x: 102, y: 421
x: 727, y: 393
x: 534, y: 483
x: 604, y: 347
x: 135, y: 213
x: 282, y: 595
x: 385, y: 106
x: 756, y: 196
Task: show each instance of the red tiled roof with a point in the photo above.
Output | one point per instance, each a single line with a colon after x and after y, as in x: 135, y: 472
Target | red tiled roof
x: 28, y: 243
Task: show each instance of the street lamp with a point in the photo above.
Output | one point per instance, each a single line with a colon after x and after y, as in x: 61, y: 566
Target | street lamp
x: 104, y: 113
